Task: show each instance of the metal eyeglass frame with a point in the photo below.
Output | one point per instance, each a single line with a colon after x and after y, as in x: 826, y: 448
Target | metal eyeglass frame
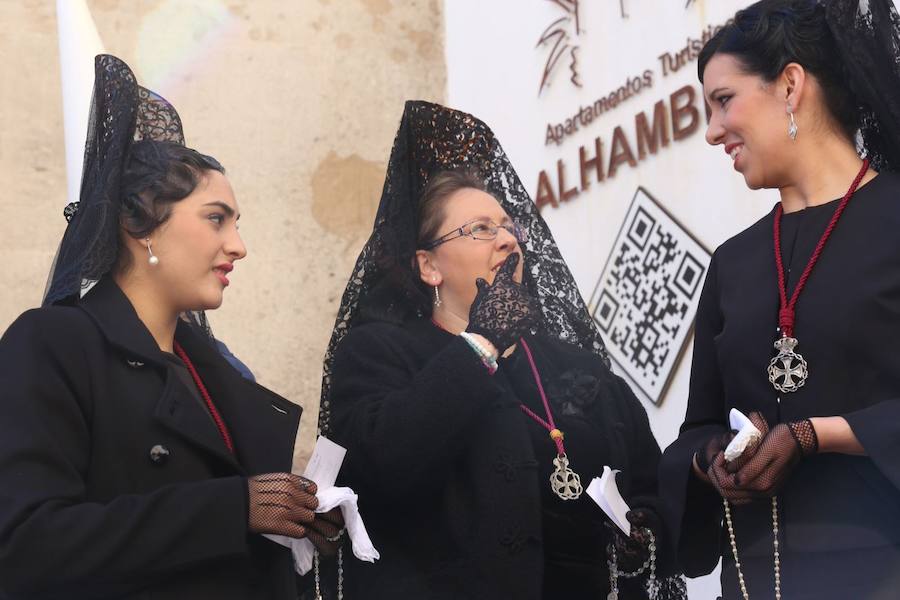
x: 514, y: 229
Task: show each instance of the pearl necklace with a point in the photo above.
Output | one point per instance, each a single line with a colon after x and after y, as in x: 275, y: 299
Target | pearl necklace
x: 734, y: 550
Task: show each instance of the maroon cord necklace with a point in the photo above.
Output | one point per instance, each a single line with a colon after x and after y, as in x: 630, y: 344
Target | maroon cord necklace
x: 564, y: 482
x: 220, y: 423
x: 788, y: 371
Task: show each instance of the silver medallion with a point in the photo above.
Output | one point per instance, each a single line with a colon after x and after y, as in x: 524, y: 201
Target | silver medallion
x: 564, y: 481
x: 612, y: 596
x: 787, y: 371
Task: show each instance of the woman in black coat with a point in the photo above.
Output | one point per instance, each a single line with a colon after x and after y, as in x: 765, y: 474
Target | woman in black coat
x: 470, y: 374
x: 799, y: 318
x: 135, y: 462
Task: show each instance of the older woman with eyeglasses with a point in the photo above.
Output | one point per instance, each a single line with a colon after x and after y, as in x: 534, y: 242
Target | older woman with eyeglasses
x: 473, y: 394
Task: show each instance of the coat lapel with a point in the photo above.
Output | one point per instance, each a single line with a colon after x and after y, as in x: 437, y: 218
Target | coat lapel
x: 178, y: 411
x: 175, y: 408
x: 267, y: 446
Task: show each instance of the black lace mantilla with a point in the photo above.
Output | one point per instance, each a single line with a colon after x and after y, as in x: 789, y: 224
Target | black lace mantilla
x: 868, y: 35
x: 434, y: 138
x: 121, y: 112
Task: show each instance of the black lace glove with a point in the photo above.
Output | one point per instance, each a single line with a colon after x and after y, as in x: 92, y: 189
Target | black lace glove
x: 327, y: 531
x: 281, y: 503
x: 721, y: 472
x: 764, y: 473
x: 633, y: 551
x: 504, y: 310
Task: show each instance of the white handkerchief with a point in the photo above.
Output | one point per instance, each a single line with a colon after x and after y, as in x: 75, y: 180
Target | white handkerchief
x: 604, y: 491
x: 303, y: 550
x: 323, y: 468
x: 747, y: 433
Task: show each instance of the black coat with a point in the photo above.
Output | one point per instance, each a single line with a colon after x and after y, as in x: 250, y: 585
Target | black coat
x: 840, y: 514
x: 114, y: 481
x: 452, y: 477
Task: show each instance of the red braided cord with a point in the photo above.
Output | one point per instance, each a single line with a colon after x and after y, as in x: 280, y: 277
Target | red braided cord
x: 220, y: 423
x: 549, y: 424
x: 786, y: 313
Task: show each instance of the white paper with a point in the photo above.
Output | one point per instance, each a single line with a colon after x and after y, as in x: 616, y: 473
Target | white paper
x: 323, y: 468
x: 604, y: 491
x: 325, y: 463
x: 747, y: 433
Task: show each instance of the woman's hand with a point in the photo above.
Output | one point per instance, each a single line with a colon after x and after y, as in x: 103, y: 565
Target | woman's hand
x: 281, y: 503
x: 706, y: 454
x: 327, y: 531
x: 762, y: 470
x: 504, y: 310
x: 633, y: 551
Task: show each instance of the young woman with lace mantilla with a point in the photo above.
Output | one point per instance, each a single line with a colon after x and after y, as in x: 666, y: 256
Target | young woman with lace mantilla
x: 474, y: 396
x: 135, y: 462
x: 799, y: 319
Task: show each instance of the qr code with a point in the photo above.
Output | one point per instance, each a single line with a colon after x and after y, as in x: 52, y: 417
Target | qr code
x: 646, y: 297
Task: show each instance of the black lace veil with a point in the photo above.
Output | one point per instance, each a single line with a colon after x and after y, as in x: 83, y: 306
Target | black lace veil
x: 867, y: 33
x: 383, y: 286
x: 122, y: 112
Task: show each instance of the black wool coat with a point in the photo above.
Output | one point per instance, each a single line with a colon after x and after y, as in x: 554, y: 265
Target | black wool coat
x: 114, y: 481
x: 451, y: 483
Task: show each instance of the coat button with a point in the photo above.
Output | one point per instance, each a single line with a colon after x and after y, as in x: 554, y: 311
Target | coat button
x: 159, y: 455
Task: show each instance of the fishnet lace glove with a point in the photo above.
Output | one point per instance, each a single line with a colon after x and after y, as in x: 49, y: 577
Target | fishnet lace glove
x: 281, y: 503
x: 765, y: 472
x: 504, y: 310
x: 327, y: 531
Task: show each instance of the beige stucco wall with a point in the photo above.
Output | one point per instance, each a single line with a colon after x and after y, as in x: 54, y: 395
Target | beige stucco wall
x: 299, y: 100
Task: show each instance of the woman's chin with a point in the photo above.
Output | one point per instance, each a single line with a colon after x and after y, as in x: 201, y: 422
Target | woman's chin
x: 212, y: 300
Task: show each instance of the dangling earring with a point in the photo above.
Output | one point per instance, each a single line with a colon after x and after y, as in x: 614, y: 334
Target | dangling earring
x: 437, y: 294
x: 152, y: 260
x: 792, y: 128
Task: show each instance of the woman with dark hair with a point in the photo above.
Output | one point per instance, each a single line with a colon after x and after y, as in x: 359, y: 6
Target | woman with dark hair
x: 800, y: 315
x: 473, y: 393
x: 135, y: 462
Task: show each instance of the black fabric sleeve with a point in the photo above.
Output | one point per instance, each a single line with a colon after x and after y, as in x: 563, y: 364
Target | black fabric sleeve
x: 51, y: 537
x: 693, y: 509
x: 403, y: 427
x: 877, y: 428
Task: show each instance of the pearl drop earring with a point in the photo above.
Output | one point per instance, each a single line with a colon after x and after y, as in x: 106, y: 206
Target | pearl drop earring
x: 153, y: 260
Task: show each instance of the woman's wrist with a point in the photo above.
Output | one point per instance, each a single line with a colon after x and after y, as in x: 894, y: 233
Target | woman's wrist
x: 835, y: 435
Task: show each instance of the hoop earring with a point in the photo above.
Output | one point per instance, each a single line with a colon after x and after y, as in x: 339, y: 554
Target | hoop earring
x: 792, y: 127
x: 437, y: 294
x: 153, y: 260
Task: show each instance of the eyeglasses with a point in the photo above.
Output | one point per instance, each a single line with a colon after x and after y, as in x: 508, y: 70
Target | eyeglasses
x: 479, y: 229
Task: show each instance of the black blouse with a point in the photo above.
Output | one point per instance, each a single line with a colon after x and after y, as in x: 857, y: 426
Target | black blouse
x: 835, y: 508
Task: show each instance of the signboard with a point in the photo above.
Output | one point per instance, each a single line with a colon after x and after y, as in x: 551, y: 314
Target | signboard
x: 646, y: 297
